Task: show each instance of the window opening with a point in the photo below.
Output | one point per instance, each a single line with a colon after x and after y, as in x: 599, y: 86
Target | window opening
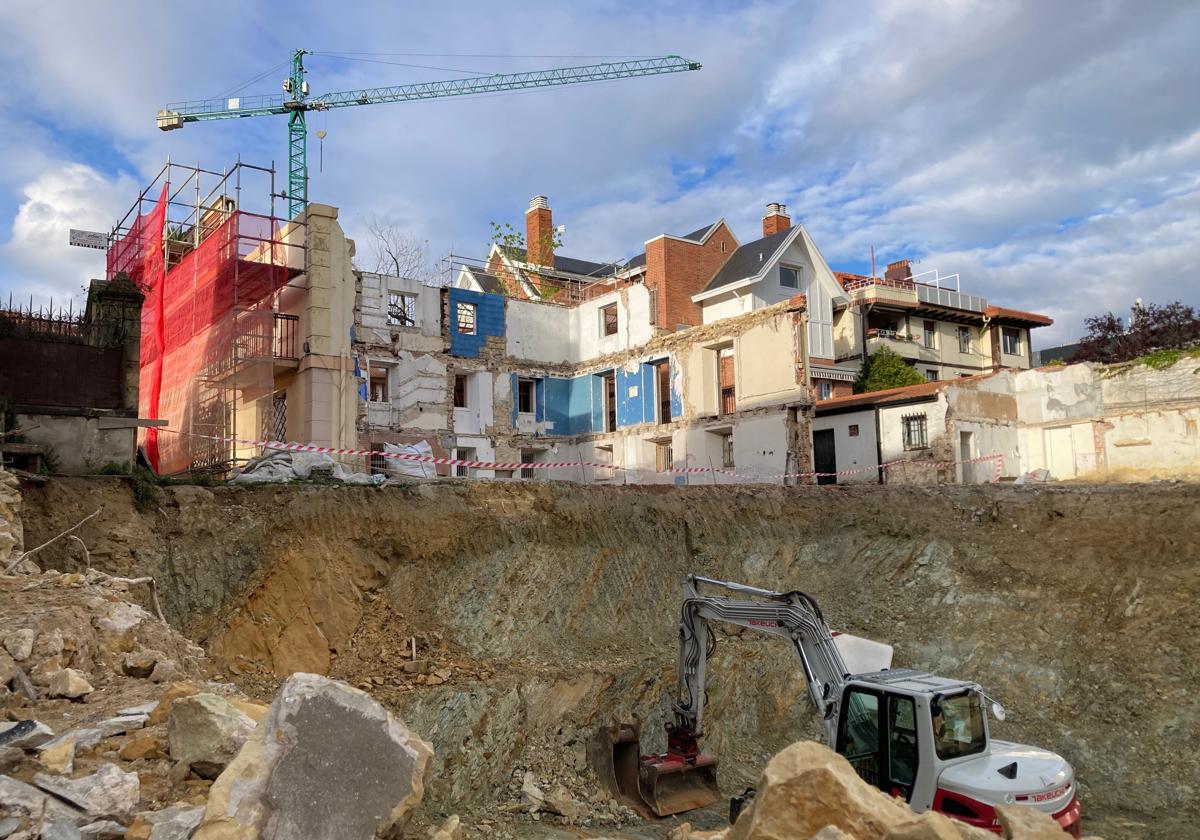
x: 915, y: 432
x: 824, y: 389
x: 663, y: 457
x: 466, y: 318
x: 460, y: 390
x: 608, y: 320
x: 525, y: 396
x: 930, y: 334
x: 379, y: 385
x: 964, y: 339
x: 662, y: 377
x: 1012, y: 341
x: 725, y: 380
x: 402, y: 309
x: 789, y: 277
x: 727, y: 450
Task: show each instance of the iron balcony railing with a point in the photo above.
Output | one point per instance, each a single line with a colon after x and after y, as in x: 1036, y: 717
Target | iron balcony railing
x: 286, y: 327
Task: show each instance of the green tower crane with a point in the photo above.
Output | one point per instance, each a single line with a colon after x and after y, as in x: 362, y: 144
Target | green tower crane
x: 296, y: 102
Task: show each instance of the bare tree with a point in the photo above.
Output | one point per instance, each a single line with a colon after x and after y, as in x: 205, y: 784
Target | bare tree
x: 397, y: 252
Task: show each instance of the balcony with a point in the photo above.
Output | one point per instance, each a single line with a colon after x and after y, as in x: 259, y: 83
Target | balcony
x: 900, y: 343
x: 286, y: 327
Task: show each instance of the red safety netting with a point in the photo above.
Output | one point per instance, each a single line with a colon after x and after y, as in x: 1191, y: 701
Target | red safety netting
x: 208, y: 329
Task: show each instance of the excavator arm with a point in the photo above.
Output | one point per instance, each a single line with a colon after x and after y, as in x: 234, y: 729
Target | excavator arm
x: 793, y: 616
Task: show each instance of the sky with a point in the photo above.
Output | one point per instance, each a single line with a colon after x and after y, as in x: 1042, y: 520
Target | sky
x: 1046, y: 152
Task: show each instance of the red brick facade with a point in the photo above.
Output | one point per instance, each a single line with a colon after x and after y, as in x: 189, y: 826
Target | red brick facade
x: 676, y: 269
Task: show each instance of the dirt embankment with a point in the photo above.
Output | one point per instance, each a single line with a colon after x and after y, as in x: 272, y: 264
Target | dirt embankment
x: 546, y: 611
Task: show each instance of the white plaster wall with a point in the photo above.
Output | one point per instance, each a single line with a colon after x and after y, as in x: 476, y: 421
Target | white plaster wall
x: 633, y: 323
x: 726, y: 306
x: 1166, y: 442
x: 765, y: 358
x: 987, y: 439
x: 538, y: 331
x: 760, y: 447
x: 853, y: 453
x: 891, y: 428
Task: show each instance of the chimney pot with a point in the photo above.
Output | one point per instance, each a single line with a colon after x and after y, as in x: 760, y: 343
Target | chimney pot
x: 776, y: 219
x: 539, y: 202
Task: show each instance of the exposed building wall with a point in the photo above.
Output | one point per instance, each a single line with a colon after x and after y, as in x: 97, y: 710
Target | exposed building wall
x: 76, y: 443
x: 854, y: 444
x: 1119, y: 421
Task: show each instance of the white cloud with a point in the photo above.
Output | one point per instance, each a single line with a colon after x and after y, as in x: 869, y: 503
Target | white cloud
x: 70, y: 195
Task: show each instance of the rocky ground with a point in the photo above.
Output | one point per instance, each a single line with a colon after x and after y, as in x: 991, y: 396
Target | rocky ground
x: 536, y: 621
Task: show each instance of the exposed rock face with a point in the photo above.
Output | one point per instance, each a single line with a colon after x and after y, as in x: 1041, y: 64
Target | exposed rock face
x: 206, y: 732
x: 327, y: 763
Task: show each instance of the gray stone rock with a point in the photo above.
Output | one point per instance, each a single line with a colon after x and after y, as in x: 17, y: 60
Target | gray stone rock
x: 26, y: 734
x: 102, y: 830
x: 205, y: 732
x: 14, y: 794
x: 120, y: 725
x: 84, y: 739
x: 327, y: 763
x: 19, y: 644
x: 175, y: 823
x: 8, y: 825
x: 144, y: 709
x: 69, y: 683
x: 107, y: 793
x: 59, y: 830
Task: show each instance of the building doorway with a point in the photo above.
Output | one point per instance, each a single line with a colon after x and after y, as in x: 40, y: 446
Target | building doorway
x: 610, y: 401
x: 824, y: 456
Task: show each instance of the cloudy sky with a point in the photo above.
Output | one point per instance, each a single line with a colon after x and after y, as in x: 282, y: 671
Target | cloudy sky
x: 1048, y: 152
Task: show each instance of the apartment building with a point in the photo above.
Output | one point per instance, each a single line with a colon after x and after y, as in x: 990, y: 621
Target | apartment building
x: 926, y: 319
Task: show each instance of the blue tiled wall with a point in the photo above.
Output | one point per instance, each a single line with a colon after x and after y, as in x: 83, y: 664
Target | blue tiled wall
x: 576, y: 406
x: 489, y: 321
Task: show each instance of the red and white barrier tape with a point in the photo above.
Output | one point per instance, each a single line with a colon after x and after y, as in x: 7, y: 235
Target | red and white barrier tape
x: 281, y: 446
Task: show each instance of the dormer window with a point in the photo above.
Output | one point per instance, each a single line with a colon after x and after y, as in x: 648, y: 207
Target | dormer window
x: 789, y: 278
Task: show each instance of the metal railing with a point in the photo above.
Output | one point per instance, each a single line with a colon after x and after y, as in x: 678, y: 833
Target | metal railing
x: 286, y: 327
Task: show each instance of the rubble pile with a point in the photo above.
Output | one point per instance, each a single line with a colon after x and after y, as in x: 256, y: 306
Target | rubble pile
x: 110, y: 729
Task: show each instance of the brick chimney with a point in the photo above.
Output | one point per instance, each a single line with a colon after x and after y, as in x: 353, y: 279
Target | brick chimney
x: 898, y: 271
x: 539, y: 232
x: 777, y: 219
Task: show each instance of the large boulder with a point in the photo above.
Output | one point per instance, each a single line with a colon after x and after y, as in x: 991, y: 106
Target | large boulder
x: 327, y: 763
x: 205, y: 732
x: 807, y: 788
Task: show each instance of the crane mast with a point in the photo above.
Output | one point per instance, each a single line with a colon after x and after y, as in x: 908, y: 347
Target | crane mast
x: 296, y: 102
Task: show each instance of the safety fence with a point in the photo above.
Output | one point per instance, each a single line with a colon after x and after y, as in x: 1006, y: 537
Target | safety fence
x: 368, y: 455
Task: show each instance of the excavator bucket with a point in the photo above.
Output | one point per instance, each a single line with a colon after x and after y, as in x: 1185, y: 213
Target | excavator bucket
x: 615, y: 754
x: 670, y: 785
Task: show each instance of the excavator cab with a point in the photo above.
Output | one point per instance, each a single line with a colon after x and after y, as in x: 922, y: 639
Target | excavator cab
x: 877, y: 733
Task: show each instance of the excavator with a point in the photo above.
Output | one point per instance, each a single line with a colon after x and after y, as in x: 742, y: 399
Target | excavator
x: 914, y: 735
